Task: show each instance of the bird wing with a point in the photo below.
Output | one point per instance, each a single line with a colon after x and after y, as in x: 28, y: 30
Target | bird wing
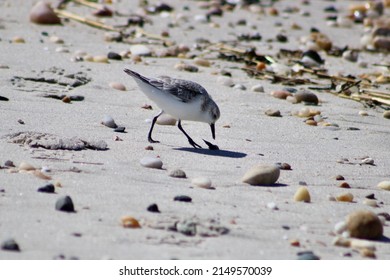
x: 183, y: 90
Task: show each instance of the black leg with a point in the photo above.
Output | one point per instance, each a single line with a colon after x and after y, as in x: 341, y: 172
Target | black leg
x: 192, y: 142
x: 151, y: 128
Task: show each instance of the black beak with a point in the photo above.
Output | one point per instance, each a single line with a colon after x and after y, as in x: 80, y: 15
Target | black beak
x: 213, y: 130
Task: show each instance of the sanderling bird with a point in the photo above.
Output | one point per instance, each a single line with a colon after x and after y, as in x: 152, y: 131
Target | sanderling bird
x: 182, y: 99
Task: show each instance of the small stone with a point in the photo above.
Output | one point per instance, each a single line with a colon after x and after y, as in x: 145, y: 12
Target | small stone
x: 24, y: 166
x: 302, y: 194
x: 140, y: 50
x: 311, y: 122
x: 306, y: 97
x: 114, y: 56
x: 10, y: 245
x: 225, y: 81
x: 351, y: 55
x: 341, y: 241
x: 65, y: 204
x: 384, y: 185
x: 273, y: 113
x: 345, y: 197
x: 153, y: 208
x: 149, y: 148
x: 100, y: 59
x: 281, y: 94
x: 257, y: 88
x: 151, y: 162
x: 311, y: 58
x: 56, y: 40
x: 182, y: 198
x: 187, y: 227
x: 363, y: 113
x: 201, y: 182
x: 49, y: 188
x: 239, y: 87
x: 381, y: 43
x: 272, y: 206
x: 285, y: 166
x: 166, y: 119
x: 364, y: 224
x: 202, y: 62
x: 368, y: 160
x: 109, y: 122
x: 344, y: 185
x: 117, y: 86
x: 386, y: 114
x: 42, y: 13
x: 181, y: 66
x: 177, y: 173
x: 307, y: 255
x: 262, y: 174
x: 370, y: 202
x: 295, y: 242
x: 339, y: 177
x: 120, y: 129
x: 62, y: 50
x: 66, y: 99
x: 9, y: 163
x: 130, y: 222
x: 18, y: 40
x: 367, y: 253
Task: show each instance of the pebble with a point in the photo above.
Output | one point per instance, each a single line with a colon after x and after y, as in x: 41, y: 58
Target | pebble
x: 339, y: 177
x: 114, y: 56
x: 363, y: 113
x: 384, y: 185
x: 381, y: 43
x: 341, y: 241
x: 344, y: 185
x: 302, y: 194
x: 10, y: 245
x: 66, y: 99
x: 295, y: 242
x: 307, y: 255
x: 182, y: 198
x: 351, y: 55
x: 18, y: 40
x: 239, y: 87
x: 187, y: 227
x: 202, y: 62
x: 99, y: 59
x: 153, y: 208
x: 49, y: 188
x: 364, y: 225
x: 65, y: 204
x: 117, y: 86
x: 368, y: 160
x: 345, y: 197
x: 225, y: 81
x: 311, y: 58
x: 130, y: 222
x: 177, y: 173
x: 62, y: 50
x: 24, y: 166
x: 257, y: 88
x: 201, y: 182
x: 272, y: 206
x: 9, y: 163
x: 140, y: 50
x: 166, y: 119
x: 386, y: 114
x: 311, y: 122
x: 109, y: 122
x: 281, y: 94
x: 42, y: 13
x: 273, y: 113
x: 120, y: 129
x: 56, y: 40
x: 370, y: 202
x: 151, y: 162
x: 262, y: 174
x: 181, y: 66
x: 306, y: 97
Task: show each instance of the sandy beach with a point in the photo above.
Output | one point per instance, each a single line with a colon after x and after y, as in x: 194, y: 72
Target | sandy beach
x: 230, y: 220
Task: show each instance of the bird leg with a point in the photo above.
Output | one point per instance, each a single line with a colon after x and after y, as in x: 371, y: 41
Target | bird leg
x: 192, y: 142
x: 151, y: 128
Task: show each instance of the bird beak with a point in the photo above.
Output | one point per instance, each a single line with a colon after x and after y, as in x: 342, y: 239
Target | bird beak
x: 213, y: 130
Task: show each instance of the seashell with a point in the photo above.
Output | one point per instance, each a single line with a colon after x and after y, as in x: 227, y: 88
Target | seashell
x: 130, y: 222
x: 42, y: 13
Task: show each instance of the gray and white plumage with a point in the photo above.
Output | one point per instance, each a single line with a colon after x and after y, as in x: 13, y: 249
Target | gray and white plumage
x: 182, y: 99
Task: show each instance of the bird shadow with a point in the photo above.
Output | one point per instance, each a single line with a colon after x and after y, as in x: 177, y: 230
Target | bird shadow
x: 218, y: 153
